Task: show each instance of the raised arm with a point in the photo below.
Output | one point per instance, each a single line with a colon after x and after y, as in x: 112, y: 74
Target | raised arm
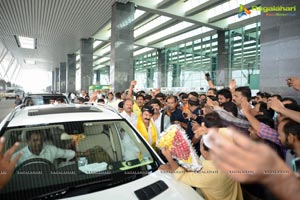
x: 249, y: 162
x: 209, y: 81
x: 252, y: 120
x: 232, y: 86
x: 278, y: 106
x: 294, y: 82
x: 130, y: 90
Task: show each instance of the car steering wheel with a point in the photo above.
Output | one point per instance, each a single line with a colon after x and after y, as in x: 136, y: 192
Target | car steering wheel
x: 35, y: 165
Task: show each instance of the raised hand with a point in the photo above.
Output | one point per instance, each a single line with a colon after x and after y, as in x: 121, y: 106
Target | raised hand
x: 294, y: 82
x: 232, y: 84
x: 7, y: 165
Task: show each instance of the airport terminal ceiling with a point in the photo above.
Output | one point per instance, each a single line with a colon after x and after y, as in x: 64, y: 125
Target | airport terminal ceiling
x: 57, y: 27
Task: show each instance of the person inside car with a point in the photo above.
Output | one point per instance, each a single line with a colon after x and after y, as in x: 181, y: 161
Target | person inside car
x: 59, y: 100
x: 37, y: 149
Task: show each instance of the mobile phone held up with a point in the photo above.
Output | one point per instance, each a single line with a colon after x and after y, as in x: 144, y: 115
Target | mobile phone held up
x: 207, y: 76
x: 296, y: 164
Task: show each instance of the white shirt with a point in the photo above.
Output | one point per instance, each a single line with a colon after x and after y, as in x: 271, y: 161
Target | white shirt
x: 49, y: 152
x: 157, y: 123
x: 72, y: 96
x: 115, y: 103
x: 129, y: 148
x: 132, y: 118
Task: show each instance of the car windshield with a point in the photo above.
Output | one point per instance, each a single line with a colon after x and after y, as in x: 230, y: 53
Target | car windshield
x: 63, y: 158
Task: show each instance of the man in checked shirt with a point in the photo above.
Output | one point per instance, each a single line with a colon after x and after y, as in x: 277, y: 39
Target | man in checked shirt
x: 279, y: 136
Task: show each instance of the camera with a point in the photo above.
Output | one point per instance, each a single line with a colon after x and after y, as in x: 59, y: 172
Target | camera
x: 185, y: 115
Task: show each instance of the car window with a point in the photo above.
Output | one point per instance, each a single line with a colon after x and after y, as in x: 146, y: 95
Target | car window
x: 41, y: 100
x: 76, y: 154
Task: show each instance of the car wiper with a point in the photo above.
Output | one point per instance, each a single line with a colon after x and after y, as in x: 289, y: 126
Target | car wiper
x: 74, y: 190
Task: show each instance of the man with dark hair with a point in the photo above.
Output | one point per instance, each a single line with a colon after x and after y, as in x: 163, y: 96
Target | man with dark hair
x: 146, y: 126
x: 277, y: 96
x: 161, y: 120
x: 120, y: 106
x: 142, y: 92
x: 80, y: 100
x: 110, y: 99
x: 173, y: 112
x: 84, y: 95
x: 211, y: 92
x: 261, y: 108
x: 230, y: 107
x: 18, y: 100
x: 202, y: 100
x: 102, y: 101
x: 138, y: 104
x: 148, y: 97
x: 52, y: 101
x: 291, y: 136
x: 224, y: 95
x: 162, y: 98
x: 127, y: 111
x: 184, y: 99
x: 241, y: 94
x: 288, y: 136
x: 262, y: 97
x: 59, y: 101
x: 37, y: 149
x: 193, y: 96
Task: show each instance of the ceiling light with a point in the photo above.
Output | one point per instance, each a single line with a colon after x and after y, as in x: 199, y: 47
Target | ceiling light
x: 96, y: 43
x: 29, y: 61
x: 26, y: 42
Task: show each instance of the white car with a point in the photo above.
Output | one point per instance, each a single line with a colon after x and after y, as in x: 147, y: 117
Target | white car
x: 85, y: 152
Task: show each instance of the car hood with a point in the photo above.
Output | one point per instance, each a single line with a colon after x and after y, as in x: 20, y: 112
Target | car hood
x: 176, y: 190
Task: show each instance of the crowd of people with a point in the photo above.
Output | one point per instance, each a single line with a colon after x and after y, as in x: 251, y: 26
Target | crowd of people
x: 247, y: 139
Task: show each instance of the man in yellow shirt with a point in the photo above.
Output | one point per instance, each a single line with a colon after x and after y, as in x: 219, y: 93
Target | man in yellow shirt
x: 210, y: 182
x: 145, y: 125
x: 138, y: 104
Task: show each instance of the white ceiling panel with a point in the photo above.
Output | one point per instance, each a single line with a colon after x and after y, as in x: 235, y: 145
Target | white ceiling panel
x: 58, y: 26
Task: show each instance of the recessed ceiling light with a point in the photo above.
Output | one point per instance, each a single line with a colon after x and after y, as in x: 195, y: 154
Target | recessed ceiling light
x: 26, y: 42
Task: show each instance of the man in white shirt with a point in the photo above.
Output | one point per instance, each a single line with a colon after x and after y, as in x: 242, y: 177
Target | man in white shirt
x: 117, y: 100
x: 37, y: 149
x: 110, y: 99
x: 127, y: 112
x: 161, y: 120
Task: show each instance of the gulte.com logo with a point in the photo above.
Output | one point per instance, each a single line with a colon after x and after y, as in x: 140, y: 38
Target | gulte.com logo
x: 244, y: 11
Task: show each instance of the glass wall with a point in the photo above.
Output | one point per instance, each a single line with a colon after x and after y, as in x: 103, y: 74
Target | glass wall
x: 146, y: 70
x: 244, y: 55
x: 185, y: 64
